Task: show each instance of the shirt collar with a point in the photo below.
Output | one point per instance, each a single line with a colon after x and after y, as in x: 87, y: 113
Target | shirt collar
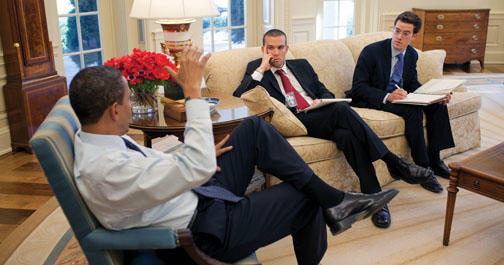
x: 103, y: 140
x: 284, y: 68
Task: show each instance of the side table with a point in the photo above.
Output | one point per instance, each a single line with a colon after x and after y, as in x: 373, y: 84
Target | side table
x: 482, y: 173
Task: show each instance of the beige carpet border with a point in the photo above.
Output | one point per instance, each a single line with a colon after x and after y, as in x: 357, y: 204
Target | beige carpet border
x: 14, y: 239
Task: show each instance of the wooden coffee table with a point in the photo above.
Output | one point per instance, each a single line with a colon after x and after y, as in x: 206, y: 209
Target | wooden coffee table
x: 482, y: 173
x: 229, y: 113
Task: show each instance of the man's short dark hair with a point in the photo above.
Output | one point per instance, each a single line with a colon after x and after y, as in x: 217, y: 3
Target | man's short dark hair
x: 410, y: 18
x: 274, y: 33
x: 93, y: 90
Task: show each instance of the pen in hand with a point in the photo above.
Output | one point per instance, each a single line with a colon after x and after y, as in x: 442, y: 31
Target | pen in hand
x: 400, y: 91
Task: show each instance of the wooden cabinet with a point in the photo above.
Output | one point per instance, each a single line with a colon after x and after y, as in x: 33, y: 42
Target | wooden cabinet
x: 461, y: 33
x: 33, y: 86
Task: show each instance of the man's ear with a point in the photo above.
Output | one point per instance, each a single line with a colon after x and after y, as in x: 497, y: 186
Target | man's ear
x: 113, y: 111
x: 413, y: 37
x: 286, y: 48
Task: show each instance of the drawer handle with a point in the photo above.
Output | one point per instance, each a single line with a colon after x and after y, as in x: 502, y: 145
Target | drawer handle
x: 16, y: 44
x: 477, y: 16
x: 440, y: 27
x: 476, y: 26
x: 440, y: 17
x: 474, y: 37
x: 439, y: 38
x: 474, y: 51
x: 476, y: 184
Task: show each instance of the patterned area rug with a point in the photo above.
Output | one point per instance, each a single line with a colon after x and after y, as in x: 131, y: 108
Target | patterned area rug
x: 46, y: 237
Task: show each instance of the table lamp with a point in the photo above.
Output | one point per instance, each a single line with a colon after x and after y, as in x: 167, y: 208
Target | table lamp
x: 175, y: 16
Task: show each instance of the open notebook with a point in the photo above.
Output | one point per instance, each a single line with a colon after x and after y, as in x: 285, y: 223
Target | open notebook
x: 433, y: 91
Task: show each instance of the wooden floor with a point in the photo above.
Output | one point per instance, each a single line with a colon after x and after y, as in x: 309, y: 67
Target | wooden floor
x: 23, y: 189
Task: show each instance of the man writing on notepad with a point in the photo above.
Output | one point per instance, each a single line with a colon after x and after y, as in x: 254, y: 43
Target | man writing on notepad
x: 385, y: 72
x: 296, y: 83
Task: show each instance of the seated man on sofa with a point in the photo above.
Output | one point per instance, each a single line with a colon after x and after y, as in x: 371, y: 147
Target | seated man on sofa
x: 296, y: 81
x: 126, y: 185
x: 386, y: 71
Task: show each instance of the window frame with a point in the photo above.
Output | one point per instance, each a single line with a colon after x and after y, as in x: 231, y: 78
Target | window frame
x: 229, y: 28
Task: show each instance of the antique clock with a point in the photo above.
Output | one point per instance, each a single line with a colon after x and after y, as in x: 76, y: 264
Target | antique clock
x: 33, y: 85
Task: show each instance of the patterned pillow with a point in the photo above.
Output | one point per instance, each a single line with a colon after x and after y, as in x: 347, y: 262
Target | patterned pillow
x: 430, y: 65
x: 283, y: 119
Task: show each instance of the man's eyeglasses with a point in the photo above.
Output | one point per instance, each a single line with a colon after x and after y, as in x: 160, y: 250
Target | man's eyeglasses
x: 405, y: 34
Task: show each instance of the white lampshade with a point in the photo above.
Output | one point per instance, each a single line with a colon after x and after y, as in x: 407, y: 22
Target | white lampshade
x: 173, y: 9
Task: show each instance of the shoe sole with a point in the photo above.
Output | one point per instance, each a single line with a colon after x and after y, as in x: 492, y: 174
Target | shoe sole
x: 346, y: 223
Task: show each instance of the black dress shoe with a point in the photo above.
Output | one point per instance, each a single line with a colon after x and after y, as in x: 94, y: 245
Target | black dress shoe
x: 409, y: 172
x: 440, y: 169
x: 382, y: 218
x: 355, y: 207
x: 432, y: 185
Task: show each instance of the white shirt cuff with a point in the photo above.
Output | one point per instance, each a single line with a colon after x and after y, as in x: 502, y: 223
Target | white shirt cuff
x: 385, y: 98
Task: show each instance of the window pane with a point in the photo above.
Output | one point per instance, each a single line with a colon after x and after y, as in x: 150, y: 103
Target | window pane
x: 329, y: 34
x: 206, y: 23
x: 207, y: 41
x: 221, y: 40
x: 72, y: 66
x: 222, y: 19
x: 347, y: 12
x: 66, y: 7
x: 238, y: 38
x: 266, y: 9
x: 237, y: 13
x: 90, y: 30
x: 93, y: 59
x: 87, y: 6
x: 344, y: 32
x: 69, y: 36
x: 330, y: 13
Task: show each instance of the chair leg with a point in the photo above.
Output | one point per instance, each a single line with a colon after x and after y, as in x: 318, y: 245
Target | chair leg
x: 186, y: 241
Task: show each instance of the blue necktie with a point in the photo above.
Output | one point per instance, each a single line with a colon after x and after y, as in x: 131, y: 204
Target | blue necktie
x: 132, y: 146
x: 397, y: 74
x: 217, y: 192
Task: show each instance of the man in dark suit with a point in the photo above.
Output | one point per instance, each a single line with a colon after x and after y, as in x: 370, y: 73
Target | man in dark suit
x: 296, y: 83
x: 386, y: 71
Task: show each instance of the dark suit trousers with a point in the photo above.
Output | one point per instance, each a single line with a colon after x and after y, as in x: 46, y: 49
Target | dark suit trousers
x: 439, y: 133
x: 266, y: 216
x: 341, y: 124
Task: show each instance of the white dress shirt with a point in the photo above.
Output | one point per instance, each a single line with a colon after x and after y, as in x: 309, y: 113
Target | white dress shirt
x: 125, y: 189
x: 258, y: 76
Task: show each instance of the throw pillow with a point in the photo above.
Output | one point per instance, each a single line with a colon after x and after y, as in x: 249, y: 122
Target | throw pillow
x: 430, y: 65
x: 283, y: 119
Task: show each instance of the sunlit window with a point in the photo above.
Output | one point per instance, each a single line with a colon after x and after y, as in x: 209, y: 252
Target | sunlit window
x: 338, y: 19
x: 227, y: 30
x: 79, y: 24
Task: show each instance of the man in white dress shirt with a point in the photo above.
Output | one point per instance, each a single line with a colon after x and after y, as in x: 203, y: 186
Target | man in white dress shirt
x: 126, y: 185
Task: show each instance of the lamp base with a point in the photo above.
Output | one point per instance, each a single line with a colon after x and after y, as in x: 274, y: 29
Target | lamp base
x: 176, y: 37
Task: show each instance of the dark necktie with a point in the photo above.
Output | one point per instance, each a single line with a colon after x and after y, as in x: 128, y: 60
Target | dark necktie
x: 288, y: 87
x: 217, y: 192
x: 395, y: 79
x: 132, y: 146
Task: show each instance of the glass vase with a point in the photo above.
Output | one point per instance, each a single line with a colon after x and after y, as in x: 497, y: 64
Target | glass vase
x: 143, y: 102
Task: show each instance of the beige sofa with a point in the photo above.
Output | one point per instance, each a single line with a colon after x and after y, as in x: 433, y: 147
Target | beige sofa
x: 334, y: 62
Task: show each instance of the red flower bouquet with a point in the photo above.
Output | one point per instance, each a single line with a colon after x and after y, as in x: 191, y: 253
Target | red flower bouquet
x: 144, y: 71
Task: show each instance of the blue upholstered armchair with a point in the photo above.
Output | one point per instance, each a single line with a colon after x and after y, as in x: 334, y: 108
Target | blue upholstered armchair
x: 53, y: 146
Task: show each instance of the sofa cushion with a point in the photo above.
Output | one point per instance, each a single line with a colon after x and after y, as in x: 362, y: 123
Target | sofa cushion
x: 356, y: 43
x: 313, y: 149
x: 331, y: 60
x: 384, y: 124
x: 225, y: 70
x: 283, y: 119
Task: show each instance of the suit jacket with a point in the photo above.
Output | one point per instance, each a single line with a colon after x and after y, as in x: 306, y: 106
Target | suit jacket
x: 301, y: 69
x: 372, y: 74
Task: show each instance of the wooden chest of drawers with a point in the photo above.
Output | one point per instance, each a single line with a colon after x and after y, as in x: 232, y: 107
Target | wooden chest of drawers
x: 461, y: 33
